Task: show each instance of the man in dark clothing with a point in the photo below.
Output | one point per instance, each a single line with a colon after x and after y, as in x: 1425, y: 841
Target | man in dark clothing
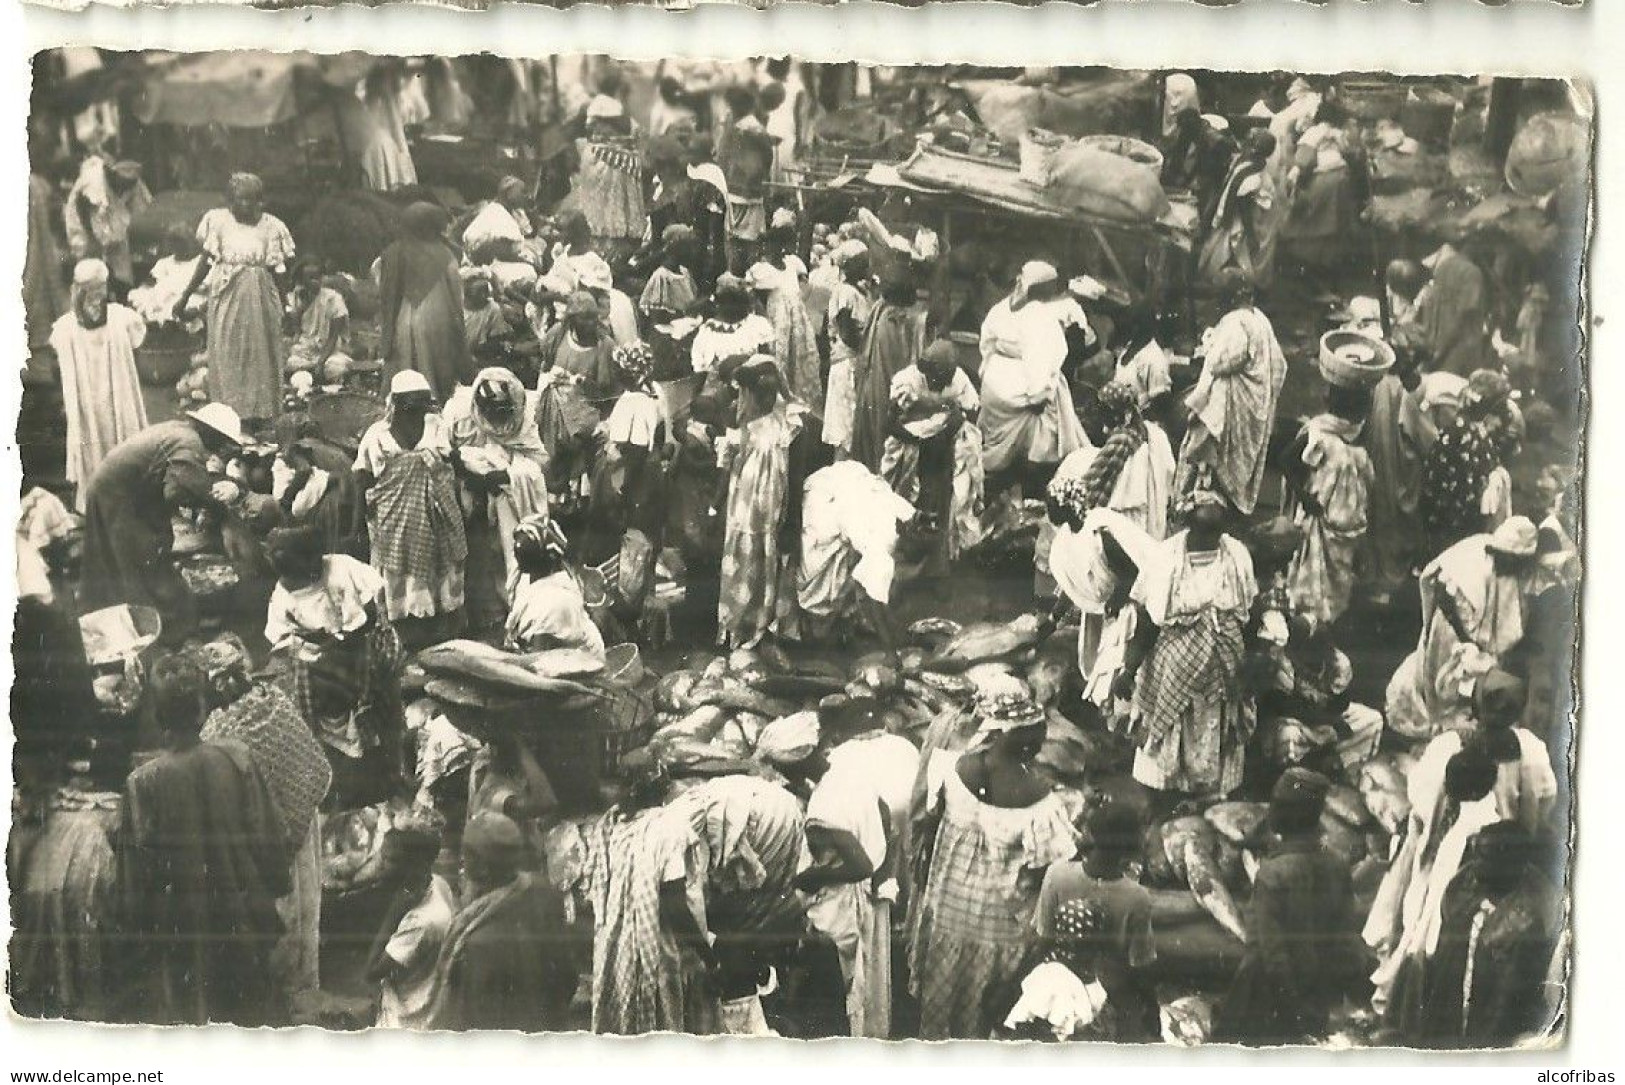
x: 202, y: 859
x: 1499, y: 930
x: 505, y: 963
x: 1303, y: 953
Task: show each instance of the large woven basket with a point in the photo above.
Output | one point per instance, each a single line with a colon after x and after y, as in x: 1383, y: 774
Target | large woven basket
x: 1135, y: 150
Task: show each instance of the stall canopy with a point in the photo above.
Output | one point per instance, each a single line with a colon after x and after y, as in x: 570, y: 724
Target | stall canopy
x: 241, y: 89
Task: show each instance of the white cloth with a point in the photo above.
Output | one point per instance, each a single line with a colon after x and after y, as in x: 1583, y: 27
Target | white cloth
x: 1052, y: 993
x: 848, y: 534
x: 42, y: 519
x: 101, y: 390
x: 714, y: 342
x: 170, y: 277
x: 623, y: 318
x: 552, y: 613
x: 336, y: 603
x: 635, y: 420
x: 1027, y: 412
x: 493, y: 223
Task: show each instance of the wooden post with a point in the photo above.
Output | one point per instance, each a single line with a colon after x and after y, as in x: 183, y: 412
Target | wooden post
x: 1501, y: 123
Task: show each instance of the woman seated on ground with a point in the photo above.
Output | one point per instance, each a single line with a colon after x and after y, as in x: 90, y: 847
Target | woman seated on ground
x: 546, y: 607
x: 323, y: 317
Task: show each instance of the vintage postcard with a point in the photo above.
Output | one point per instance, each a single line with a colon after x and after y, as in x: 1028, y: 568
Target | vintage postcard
x: 773, y: 548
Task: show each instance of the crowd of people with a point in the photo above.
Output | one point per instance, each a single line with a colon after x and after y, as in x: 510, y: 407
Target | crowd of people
x: 662, y: 381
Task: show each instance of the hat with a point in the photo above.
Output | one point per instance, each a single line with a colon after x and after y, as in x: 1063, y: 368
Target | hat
x: 848, y: 250
x: 1216, y: 122
x: 763, y: 276
x: 1499, y: 698
x: 1300, y: 788
x: 493, y: 836
x: 408, y: 381
x: 542, y: 532
x: 592, y: 271
x: 1516, y: 537
x: 605, y: 108
x: 220, y: 418
x: 90, y: 273
x: 581, y: 303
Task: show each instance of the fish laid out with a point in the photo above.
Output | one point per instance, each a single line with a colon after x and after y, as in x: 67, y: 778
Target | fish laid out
x: 474, y: 662
x: 985, y: 640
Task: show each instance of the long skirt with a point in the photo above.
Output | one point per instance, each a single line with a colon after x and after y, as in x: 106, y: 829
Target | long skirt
x: 246, y: 351
x: 64, y: 911
x: 429, y: 339
x: 295, y: 963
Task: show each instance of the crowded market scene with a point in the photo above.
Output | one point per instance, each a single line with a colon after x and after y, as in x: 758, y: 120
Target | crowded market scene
x: 763, y: 548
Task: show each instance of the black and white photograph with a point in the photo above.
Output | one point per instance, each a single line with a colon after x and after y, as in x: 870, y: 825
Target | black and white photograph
x: 764, y: 548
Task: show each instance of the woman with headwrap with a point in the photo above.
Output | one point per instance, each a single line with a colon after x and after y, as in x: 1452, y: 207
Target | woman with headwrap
x: 893, y: 339
x: 756, y: 456
x: 95, y: 344
x: 1000, y: 827
x: 502, y: 465
x: 1193, y: 715
x: 244, y: 250
x: 846, y: 317
x: 627, y: 513
x: 420, y: 302
x: 1027, y: 418
x: 104, y: 199
x: 1330, y: 474
x: 933, y: 452
x: 1237, y: 228
x: 1232, y: 407
x: 414, y: 519
x: 734, y: 331
x: 314, y: 483
x: 1325, y: 204
x: 328, y: 619
x: 261, y: 716
x: 546, y: 607
x: 1133, y: 471
x: 1453, y: 310
x: 608, y: 185
x: 652, y: 962
x: 795, y: 342
x: 1456, y: 474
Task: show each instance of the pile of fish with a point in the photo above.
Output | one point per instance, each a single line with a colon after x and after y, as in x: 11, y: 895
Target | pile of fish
x: 1215, y: 852
x: 756, y: 710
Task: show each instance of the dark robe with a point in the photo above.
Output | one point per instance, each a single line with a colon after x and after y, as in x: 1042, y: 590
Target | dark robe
x: 128, y: 503
x: 506, y: 963
x: 202, y: 859
x: 1509, y: 959
x: 1303, y: 952
x: 893, y: 341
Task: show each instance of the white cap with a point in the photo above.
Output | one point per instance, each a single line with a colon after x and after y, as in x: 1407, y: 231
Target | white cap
x: 220, y: 418
x: 408, y: 381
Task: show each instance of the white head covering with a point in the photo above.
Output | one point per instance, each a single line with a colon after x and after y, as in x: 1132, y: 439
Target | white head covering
x: 592, y: 272
x: 783, y: 218
x: 408, y: 381
x: 849, y: 249
x: 90, y: 272
x: 710, y: 173
x: 1037, y: 272
x: 763, y: 276
x: 1516, y: 536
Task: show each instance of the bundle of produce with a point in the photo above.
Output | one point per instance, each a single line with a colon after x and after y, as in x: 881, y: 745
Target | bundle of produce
x: 352, y: 841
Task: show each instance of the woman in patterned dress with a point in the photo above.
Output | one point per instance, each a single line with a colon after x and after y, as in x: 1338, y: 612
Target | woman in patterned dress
x: 244, y: 249
x: 1462, y: 461
x: 1332, y: 475
x: 1192, y: 715
x: 757, y: 458
x: 650, y: 957
x: 1000, y: 827
x: 414, y: 519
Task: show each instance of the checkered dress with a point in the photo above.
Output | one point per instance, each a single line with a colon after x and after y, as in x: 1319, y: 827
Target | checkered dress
x: 971, y: 944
